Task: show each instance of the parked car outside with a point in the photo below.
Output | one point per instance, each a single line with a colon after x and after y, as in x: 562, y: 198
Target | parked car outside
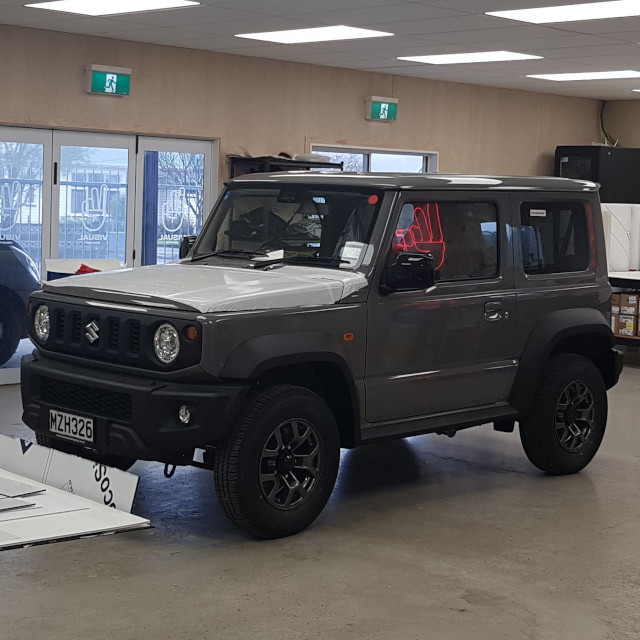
x: 18, y: 279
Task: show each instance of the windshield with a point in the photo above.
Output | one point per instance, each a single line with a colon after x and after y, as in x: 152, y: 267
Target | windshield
x: 296, y: 223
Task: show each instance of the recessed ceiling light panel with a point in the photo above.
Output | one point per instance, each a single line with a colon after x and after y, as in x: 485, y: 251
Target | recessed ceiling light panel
x: 573, y: 12
x: 111, y: 7
x: 589, y: 75
x: 467, y: 58
x: 317, y: 34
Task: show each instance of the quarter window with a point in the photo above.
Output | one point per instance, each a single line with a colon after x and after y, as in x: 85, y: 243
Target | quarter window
x: 555, y: 237
x: 461, y: 236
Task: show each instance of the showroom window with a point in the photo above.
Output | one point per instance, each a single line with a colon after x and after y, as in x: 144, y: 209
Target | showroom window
x: 380, y: 160
x: 461, y: 236
x: 555, y: 237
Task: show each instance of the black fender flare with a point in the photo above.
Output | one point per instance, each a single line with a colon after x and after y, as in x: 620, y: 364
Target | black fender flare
x: 569, y: 326
x: 256, y: 356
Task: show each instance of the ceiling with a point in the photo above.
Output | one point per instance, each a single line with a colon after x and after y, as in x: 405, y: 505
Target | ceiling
x: 421, y: 28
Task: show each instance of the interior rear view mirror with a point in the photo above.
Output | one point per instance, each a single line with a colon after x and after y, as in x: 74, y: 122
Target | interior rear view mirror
x: 186, y: 245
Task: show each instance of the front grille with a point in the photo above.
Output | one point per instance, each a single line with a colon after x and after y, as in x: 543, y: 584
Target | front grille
x: 134, y: 337
x: 59, y: 324
x: 76, y: 327
x: 115, y: 336
x: 95, y: 402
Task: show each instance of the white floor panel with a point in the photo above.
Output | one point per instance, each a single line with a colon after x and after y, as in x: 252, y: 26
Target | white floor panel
x: 56, y: 515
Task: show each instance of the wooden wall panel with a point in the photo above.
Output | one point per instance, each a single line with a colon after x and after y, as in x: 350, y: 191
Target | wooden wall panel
x: 258, y: 106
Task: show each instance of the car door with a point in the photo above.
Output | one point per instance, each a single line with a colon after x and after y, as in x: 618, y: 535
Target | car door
x: 450, y: 347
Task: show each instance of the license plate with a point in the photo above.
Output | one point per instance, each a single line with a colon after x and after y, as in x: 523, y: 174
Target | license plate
x: 71, y: 426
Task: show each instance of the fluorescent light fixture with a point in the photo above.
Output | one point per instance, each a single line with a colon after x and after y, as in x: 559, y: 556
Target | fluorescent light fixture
x: 316, y: 34
x: 467, y: 58
x: 111, y: 7
x: 589, y: 75
x: 573, y: 12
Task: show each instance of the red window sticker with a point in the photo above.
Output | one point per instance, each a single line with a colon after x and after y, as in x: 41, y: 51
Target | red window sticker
x: 425, y: 233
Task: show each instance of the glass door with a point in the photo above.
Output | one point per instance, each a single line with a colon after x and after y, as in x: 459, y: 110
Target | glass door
x: 25, y: 190
x: 93, y: 196
x: 173, y: 195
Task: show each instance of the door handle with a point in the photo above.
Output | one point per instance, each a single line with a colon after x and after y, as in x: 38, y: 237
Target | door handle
x: 493, y: 311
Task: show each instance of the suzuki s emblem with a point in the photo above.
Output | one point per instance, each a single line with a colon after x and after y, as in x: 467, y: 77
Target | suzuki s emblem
x: 92, y: 331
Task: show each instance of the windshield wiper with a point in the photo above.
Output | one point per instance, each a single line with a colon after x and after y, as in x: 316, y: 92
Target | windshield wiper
x: 319, y: 260
x: 228, y: 253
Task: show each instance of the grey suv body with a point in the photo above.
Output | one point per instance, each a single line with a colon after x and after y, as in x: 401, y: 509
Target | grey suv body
x: 323, y: 310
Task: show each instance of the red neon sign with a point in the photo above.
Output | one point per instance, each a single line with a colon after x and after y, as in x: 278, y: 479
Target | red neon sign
x: 424, y: 235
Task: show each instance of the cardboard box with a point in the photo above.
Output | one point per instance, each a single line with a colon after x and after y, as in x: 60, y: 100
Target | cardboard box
x: 615, y: 321
x: 627, y: 325
x: 628, y: 304
x: 615, y: 304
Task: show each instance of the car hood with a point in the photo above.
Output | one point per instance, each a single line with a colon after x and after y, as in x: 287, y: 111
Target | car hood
x: 208, y: 288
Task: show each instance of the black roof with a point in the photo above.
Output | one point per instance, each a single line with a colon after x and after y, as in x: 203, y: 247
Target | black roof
x: 433, y: 181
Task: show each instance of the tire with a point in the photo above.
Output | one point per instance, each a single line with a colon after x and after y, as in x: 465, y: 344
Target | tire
x: 266, y: 486
x: 9, y: 330
x: 566, y: 424
x: 108, y: 459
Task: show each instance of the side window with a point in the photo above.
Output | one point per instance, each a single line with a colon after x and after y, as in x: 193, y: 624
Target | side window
x: 555, y: 237
x: 462, y: 236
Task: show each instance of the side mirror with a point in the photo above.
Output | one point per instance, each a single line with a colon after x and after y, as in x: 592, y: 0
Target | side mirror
x: 408, y: 272
x: 186, y: 245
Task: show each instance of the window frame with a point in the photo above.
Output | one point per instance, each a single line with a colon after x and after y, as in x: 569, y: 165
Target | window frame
x: 430, y: 159
x: 556, y: 204
x: 422, y: 197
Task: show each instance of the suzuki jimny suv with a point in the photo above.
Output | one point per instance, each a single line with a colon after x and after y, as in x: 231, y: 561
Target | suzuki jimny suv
x: 326, y: 310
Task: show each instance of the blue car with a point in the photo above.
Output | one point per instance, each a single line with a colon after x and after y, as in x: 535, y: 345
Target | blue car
x: 18, y: 278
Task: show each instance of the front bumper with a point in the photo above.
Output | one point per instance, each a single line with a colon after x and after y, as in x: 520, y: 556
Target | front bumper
x: 134, y: 416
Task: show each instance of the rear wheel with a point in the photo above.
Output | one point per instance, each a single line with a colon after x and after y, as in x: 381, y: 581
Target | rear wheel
x: 277, y: 470
x: 9, y: 329
x: 108, y: 459
x: 565, y: 427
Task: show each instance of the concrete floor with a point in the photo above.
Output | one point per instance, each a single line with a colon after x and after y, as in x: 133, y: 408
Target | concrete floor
x: 427, y: 538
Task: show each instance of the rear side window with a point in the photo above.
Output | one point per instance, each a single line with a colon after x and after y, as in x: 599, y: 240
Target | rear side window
x: 555, y: 237
x: 461, y: 236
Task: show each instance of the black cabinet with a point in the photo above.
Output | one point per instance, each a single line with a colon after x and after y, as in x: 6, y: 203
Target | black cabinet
x: 615, y: 168
x: 241, y: 165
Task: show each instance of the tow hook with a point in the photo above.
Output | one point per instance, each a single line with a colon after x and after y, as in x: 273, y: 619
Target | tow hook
x: 169, y: 470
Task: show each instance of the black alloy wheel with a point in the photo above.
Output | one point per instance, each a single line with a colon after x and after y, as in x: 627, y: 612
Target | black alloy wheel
x: 276, y: 470
x: 575, y: 416
x: 291, y: 464
x: 566, y: 424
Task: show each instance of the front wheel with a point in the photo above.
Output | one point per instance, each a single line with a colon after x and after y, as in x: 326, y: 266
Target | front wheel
x: 276, y: 471
x: 566, y: 424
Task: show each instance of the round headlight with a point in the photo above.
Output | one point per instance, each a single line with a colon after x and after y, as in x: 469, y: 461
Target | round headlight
x: 41, y: 323
x: 166, y: 343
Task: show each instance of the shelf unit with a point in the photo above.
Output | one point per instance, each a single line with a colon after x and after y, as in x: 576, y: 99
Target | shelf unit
x: 241, y: 165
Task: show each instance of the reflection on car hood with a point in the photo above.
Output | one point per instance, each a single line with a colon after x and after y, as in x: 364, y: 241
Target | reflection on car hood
x: 208, y: 288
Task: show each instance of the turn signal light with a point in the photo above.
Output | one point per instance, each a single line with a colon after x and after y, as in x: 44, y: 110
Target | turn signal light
x: 191, y: 332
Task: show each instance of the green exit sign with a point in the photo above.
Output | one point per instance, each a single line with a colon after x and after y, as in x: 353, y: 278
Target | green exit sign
x: 382, y: 109
x: 110, y: 81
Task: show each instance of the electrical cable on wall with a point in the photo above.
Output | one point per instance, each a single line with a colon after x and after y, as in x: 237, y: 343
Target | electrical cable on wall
x: 608, y: 138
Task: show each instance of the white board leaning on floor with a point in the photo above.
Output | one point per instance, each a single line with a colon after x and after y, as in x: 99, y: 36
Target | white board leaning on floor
x: 62, y: 496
